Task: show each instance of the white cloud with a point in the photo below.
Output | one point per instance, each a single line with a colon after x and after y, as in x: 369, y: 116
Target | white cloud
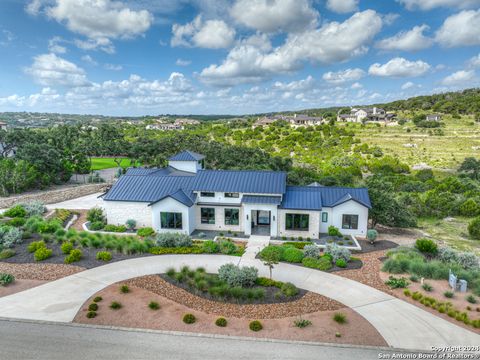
x: 298, y: 85
x: 89, y: 60
x: 333, y: 42
x: 411, y: 40
x: 474, y: 61
x: 431, y: 4
x: 55, y: 47
x: 113, y: 67
x: 275, y: 15
x: 342, y: 76
x: 399, y: 67
x: 461, y: 77
x: 34, y: 6
x: 211, y: 34
x: 408, y: 85
x: 102, y: 44
x: 462, y: 29
x: 356, y: 85
x: 50, y: 70
x: 6, y: 37
x: 182, y: 62
x: 342, y: 6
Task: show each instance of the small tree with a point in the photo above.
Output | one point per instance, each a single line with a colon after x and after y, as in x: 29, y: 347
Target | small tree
x: 131, y: 224
x: 372, y: 235
x: 474, y: 228
x: 271, y: 255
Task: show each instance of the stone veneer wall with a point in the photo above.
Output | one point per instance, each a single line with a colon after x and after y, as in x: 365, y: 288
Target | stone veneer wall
x: 54, y: 196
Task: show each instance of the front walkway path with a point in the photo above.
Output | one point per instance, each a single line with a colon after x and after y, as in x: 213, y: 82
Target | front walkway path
x: 254, y: 245
x: 401, y: 324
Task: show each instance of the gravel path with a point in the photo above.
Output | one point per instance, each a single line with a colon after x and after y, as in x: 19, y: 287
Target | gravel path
x: 46, y: 272
x: 309, y: 303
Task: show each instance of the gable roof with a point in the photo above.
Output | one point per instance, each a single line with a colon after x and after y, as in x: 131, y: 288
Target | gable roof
x: 178, y: 195
x: 243, y: 181
x: 187, y: 156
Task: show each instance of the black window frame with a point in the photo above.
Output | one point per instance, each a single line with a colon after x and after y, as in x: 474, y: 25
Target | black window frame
x: 207, y: 215
x: 324, y: 217
x: 296, y: 222
x: 207, y: 194
x: 176, y: 218
x: 230, y: 222
x: 349, y: 224
x: 231, y: 195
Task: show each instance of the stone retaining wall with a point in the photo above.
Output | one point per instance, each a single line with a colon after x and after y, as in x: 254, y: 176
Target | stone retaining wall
x: 54, y: 196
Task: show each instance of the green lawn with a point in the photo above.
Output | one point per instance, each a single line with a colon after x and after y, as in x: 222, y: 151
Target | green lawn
x: 452, y: 232
x: 108, y: 163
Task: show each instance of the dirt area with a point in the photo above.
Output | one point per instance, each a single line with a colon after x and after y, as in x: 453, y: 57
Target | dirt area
x: 310, y: 302
x: 46, y: 272
x: 439, y: 287
x: 19, y: 285
x: 376, y: 246
x: 398, y: 235
x: 135, y: 313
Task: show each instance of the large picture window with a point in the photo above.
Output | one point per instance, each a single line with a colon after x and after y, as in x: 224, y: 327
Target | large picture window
x: 207, y: 215
x: 298, y: 222
x: 171, y: 220
x: 349, y: 221
x: 232, y: 216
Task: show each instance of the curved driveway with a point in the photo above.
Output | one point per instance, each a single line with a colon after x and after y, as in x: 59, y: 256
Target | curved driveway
x: 401, y: 324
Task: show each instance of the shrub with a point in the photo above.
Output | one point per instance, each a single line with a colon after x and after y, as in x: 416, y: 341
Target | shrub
x: 372, y: 235
x: 124, y: 289
x: 153, y: 305
x: 338, y: 252
x: 447, y: 254
x: 337, y: 334
x: 131, y: 224
x: 10, y: 236
x: 414, y: 278
x: 227, y: 247
x: 34, y: 208
x: 427, y: 287
x: 91, y: 314
x: 115, y: 305
x: 49, y: 227
x: 15, y: 212
x: 298, y: 244
x: 146, y: 231
x: 96, y: 226
x: 221, y: 321
x: 302, y: 323
x: 115, y: 228
x: 471, y: 299
x: 323, y: 263
x: 407, y: 292
x: 396, y: 283
x: 6, y: 253
x: 448, y: 294
x: 6, y: 279
x: 66, y: 247
x: 17, y: 222
x: 235, y: 276
x: 97, y: 299
x: 467, y: 260
x: 104, y: 256
x: 74, y: 256
x: 293, y: 255
x: 341, y: 263
x: 210, y: 247
x: 42, y: 253
x: 255, y: 325
x: 333, y: 231
x: 93, y: 307
x: 340, y: 318
x: 96, y: 215
x: 474, y: 228
x: 311, y: 251
x: 189, y: 318
x: 426, y: 246
x: 173, y: 240
x: 417, y: 296
x: 289, y: 289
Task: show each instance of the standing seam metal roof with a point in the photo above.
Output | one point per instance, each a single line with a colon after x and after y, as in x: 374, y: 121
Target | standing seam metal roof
x: 187, y: 156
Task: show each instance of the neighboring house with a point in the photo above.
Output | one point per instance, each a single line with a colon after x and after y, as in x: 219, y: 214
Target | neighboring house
x: 366, y: 114
x: 296, y: 120
x: 265, y: 121
x: 184, y: 122
x: 433, y: 117
x: 3, y: 126
x: 164, y: 127
x: 183, y: 197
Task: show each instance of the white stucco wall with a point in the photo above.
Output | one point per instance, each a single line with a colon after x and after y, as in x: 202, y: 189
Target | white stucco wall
x: 219, y: 198
x: 190, y: 166
x: 118, y: 212
x: 313, y: 225
x: 219, y: 219
x: 170, y: 205
x: 350, y: 208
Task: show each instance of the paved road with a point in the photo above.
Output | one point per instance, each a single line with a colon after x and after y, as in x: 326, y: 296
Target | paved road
x: 82, y: 203
x: 23, y: 340
x: 401, y: 324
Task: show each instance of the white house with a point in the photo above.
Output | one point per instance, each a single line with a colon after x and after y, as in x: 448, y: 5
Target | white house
x: 184, y: 197
x: 365, y: 114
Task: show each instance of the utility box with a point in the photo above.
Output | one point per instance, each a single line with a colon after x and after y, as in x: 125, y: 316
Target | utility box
x: 462, y: 285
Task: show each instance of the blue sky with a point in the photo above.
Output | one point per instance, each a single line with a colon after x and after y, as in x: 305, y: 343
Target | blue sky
x: 231, y: 56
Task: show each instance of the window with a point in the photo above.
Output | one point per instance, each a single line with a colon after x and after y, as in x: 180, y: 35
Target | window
x: 297, y: 222
x: 171, y: 220
x: 232, y: 195
x: 207, y: 194
x: 232, y: 216
x: 207, y: 215
x: 324, y: 217
x: 350, y: 222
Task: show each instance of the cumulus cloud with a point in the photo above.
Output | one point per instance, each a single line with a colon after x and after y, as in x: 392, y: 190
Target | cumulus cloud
x: 408, y: 85
x: 55, y: 47
x: 356, y: 85
x: 462, y: 29
x: 297, y: 85
x: 431, y: 4
x: 342, y: 6
x: 102, y: 44
x: 275, y: 15
x: 399, y: 67
x: 89, y: 60
x: 113, y: 67
x: 462, y: 77
x: 182, y: 62
x: 474, y: 61
x: 343, y: 76
x: 50, y: 70
x: 333, y: 42
x: 411, y: 40
x: 211, y: 34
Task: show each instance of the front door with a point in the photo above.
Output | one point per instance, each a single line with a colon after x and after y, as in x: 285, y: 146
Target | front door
x: 263, y: 217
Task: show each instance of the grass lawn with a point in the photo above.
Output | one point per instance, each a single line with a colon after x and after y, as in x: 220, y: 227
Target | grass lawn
x: 108, y: 163
x: 452, y: 232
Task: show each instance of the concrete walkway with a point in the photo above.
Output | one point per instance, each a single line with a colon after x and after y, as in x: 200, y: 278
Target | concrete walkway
x: 81, y: 203
x: 401, y: 324
x: 254, y: 245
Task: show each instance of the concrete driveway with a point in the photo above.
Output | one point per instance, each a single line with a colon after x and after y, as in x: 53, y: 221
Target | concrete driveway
x: 81, y: 203
x: 401, y: 324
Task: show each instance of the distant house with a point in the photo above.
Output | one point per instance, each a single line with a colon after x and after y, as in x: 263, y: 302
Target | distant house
x: 184, y: 121
x: 365, y: 114
x: 265, y: 121
x: 3, y: 126
x: 296, y: 120
x: 433, y: 117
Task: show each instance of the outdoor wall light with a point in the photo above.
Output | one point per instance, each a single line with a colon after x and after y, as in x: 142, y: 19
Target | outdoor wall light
x: 273, y: 217
x: 247, y: 217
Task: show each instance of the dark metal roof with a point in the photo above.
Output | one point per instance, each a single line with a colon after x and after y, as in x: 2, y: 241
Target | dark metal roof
x: 258, y: 199
x: 166, y: 171
x: 187, y: 156
x: 180, y: 196
x: 243, y: 181
x: 314, y: 198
